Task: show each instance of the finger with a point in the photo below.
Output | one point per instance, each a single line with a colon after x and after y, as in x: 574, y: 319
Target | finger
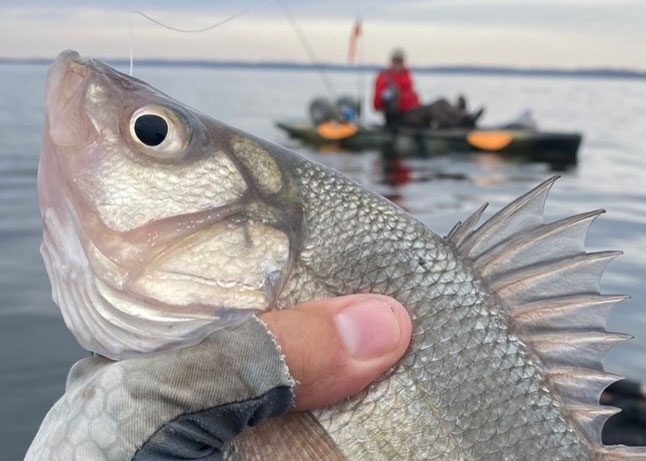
x: 336, y: 347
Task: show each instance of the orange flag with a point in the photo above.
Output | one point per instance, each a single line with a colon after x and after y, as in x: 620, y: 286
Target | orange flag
x: 354, y: 37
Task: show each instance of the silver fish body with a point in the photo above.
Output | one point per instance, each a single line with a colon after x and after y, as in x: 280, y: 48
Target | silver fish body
x: 469, y: 388
x: 153, y: 246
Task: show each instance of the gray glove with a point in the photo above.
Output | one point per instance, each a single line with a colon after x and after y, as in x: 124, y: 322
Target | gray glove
x: 180, y: 404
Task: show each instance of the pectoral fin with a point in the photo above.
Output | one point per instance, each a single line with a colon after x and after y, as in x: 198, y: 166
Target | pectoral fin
x: 294, y: 436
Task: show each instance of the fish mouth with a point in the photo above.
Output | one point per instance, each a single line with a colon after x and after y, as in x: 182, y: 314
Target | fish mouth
x: 68, y: 122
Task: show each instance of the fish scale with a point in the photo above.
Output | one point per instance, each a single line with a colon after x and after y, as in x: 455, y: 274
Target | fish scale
x: 467, y: 376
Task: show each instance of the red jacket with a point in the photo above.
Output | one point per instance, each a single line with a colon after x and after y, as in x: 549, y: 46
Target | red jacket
x: 408, y: 98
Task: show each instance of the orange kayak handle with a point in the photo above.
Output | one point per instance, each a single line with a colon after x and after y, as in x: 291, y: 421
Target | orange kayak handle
x: 491, y: 141
x: 336, y: 131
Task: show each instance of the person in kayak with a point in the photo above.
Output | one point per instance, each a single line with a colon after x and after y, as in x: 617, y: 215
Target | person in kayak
x: 396, y: 97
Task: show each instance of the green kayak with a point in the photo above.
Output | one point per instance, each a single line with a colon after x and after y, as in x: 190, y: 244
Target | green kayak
x: 518, y: 143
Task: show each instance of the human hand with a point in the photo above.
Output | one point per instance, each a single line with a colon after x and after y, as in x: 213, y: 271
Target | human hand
x: 189, y: 403
x: 335, y: 347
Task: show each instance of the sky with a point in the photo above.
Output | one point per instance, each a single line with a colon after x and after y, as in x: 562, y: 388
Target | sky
x: 519, y: 33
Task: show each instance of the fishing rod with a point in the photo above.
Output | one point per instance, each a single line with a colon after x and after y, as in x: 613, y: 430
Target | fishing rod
x: 309, y: 49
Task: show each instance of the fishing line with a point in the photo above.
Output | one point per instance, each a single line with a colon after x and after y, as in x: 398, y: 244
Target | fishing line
x: 327, y: 82
x: 188, y: 31
x: 207, y: 28
x: 309, y: 49
x: 130, y: 46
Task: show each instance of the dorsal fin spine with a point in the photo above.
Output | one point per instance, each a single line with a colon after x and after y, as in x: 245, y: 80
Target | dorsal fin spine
x: 487, y: 261
x: 462, y: 230
x: 585, y: 350
x: 493, y: 224
x: 582, y: 312
x: 580, y: 386
x: 550, y: 267
x: 590, y: 420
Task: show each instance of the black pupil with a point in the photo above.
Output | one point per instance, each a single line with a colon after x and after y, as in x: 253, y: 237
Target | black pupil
x: 151, y: 129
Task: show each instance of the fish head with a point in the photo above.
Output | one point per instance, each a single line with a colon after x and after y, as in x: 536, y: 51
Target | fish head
x: 160, y: 223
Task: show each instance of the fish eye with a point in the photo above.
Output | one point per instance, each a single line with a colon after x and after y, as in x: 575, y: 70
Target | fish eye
x: 159, y: 131
x: 151, y: 129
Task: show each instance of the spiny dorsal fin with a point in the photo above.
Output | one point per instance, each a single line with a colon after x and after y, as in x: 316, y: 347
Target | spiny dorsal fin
x: 520, y: 215
x: 550, y: 288
x: 590, y: 420
x: 461, y: 230
x: 561, y: 238
x: 568, y: 313
x: 584, y: 350
x: 580, y: 386
x: 578, y: 274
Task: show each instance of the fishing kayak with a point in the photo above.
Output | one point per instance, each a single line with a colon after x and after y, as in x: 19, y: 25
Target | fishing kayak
x: 519, y: 142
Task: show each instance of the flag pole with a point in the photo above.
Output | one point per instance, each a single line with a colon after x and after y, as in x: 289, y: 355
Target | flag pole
x: 354, y: 49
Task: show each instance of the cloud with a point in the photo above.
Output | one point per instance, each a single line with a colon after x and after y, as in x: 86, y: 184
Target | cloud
x: 563, y: 33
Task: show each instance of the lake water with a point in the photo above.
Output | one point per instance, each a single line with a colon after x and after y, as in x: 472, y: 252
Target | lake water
x: 36, y: 350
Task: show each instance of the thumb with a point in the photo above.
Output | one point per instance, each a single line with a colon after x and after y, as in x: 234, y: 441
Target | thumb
x: 336, y: 347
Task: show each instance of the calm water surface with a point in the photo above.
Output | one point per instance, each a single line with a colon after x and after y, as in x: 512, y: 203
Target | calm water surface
x: 36, y: 350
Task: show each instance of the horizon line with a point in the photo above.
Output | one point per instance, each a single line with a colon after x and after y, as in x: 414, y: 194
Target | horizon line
x: 587, y: 71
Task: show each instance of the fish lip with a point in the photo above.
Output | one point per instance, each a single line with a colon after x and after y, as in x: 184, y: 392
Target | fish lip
x: 67, y: 121
x: 59, y: 88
